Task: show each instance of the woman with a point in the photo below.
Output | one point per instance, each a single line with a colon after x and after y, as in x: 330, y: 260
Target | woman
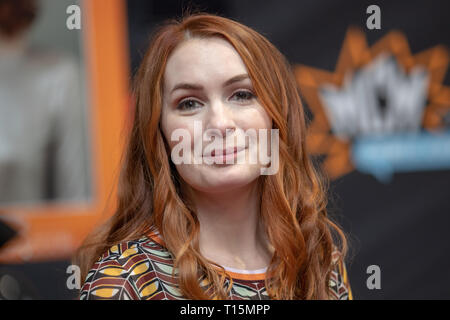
x: 216, y: 225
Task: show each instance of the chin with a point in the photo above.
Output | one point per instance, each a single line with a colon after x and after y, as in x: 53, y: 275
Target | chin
x: 220, y: 179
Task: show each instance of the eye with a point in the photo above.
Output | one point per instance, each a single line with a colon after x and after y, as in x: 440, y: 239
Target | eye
x: 243, y: 95
x: 188, y: 104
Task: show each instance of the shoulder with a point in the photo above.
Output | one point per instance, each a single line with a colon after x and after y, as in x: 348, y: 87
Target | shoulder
x: 128, y: 270
x: 339, y: 286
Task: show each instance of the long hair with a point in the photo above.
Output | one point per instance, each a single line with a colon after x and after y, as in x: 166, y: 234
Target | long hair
x: 293, y: 201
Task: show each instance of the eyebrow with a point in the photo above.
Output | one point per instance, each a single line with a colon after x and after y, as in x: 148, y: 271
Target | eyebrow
x: 191, y: 86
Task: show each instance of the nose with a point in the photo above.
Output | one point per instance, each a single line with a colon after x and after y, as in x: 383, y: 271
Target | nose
x: 220, y: 119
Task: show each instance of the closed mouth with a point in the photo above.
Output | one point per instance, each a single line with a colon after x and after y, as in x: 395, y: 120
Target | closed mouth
x: 225, y: 152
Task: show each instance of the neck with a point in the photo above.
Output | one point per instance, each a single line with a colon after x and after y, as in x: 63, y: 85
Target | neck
x: 12, y: 51
x: 11, y: 44
x: 230, y: 230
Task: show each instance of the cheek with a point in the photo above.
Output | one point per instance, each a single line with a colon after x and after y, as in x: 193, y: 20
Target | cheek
x: 256, y: 118
x: 259, y: 120
x: 170, y: 123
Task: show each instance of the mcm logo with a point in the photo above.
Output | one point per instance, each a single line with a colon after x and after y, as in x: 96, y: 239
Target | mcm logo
x: 382, y: 111
x: 377, y: 99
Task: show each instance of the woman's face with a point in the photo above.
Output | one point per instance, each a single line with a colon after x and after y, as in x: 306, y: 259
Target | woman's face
x: 209, y: 101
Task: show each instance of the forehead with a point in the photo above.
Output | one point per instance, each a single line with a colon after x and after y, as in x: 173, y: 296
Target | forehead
x: 203, y: 60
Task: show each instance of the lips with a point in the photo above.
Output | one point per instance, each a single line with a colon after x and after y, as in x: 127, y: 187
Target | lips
x: 227, y: 151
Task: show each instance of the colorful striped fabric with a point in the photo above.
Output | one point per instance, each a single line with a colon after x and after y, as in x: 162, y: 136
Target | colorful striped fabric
x: 142, y: 269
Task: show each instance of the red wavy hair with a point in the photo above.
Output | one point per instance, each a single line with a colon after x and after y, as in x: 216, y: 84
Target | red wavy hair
x: 293, y: 204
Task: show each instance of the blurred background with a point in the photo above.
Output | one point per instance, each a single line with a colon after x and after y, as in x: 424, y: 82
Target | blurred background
x: 378, y: 102
x: 44, y: 141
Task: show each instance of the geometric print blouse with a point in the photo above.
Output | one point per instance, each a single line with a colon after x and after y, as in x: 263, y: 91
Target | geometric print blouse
x: 142, y: 270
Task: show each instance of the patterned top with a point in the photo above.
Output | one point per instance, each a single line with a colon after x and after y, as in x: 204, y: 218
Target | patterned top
x: 142, y: 270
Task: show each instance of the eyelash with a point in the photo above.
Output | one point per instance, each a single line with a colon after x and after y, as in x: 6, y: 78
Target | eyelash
x: 250, y: 94
x: 249, y: 97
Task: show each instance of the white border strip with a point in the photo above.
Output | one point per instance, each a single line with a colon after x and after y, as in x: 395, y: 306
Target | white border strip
x: 243, y: 271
